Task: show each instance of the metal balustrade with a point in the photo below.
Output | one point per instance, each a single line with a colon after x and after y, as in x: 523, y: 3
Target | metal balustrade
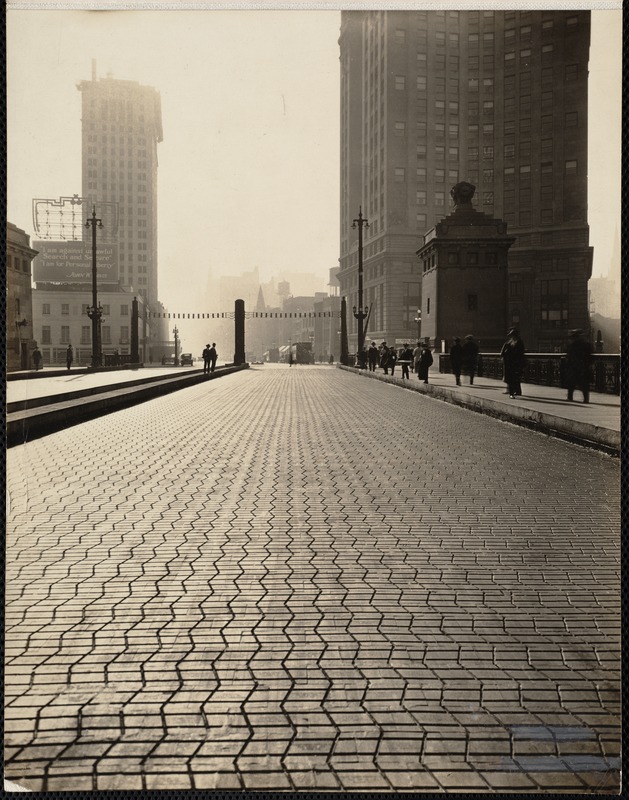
x: 545, y: 369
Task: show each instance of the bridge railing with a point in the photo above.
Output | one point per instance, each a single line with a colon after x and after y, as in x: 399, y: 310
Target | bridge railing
x: 546, y: 369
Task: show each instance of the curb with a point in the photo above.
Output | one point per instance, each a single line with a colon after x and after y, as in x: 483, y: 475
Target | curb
x: 582, y: 433
x: 54, y: 414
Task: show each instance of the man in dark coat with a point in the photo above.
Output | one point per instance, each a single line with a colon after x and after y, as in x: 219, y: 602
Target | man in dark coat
x: 513, y: 357
x: 456, y: 360
x: 425, y: 362
x: 207, y: 359
x: 213, y: 356
x: 406, y: 359
x: 69, y: 356
x: 373, y: 357
x: 469, y: 351
x: 577, y: 367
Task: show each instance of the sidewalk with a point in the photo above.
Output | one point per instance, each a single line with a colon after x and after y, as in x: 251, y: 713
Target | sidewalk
x: 544, y: 408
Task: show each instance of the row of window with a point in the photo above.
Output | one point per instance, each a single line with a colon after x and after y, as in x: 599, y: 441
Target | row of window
x: 65, y: 309
x: 20, y: 264
x: 86, y: 334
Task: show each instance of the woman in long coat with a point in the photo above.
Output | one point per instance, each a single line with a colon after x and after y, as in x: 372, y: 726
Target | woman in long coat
x: 513, y: 359
x: 424, y: 363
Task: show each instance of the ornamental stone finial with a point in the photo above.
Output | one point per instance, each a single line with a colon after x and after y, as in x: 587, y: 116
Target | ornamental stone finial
x: 462, y: 193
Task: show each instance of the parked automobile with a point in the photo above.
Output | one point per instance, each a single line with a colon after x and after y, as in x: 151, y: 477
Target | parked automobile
x: 186, y: 360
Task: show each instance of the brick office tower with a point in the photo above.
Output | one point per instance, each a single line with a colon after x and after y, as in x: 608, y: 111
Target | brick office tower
x: 121, y: 127
x: 497, y: 98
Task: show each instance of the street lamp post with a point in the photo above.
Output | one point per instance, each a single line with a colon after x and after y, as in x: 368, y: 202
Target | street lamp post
x: 418, y: 320
x: 95, y: 311
x: 360, y: 313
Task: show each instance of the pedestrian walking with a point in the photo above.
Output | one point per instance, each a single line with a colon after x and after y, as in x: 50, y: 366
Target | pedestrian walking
x: 37, y: 358
x: 213, y: 356
x: 424, y: 364
x: 384, y: 358
x: 372, y: 357
x: 207, y: 360
x: 469, y: 352
x: 406, y: 359
x: 577, y: 365
x: 392, y: 361
x: 513, y: 358
x: 417, y: 352
x: 456, y: 359
x: 69, y: 357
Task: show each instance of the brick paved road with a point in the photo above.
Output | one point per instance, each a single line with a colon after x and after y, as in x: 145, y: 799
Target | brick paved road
x: 294, y: 578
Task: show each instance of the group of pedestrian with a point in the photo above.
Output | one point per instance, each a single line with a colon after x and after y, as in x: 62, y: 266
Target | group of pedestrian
x: 464, y: 358
x: 387, y: 357
x: 209, y: 358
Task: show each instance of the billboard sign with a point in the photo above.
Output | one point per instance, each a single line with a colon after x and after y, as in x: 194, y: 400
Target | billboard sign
x: 71, y: 262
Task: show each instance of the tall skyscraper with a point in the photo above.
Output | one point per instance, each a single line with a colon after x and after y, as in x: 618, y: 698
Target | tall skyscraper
x: 497, y: 98
x: 121, y: 128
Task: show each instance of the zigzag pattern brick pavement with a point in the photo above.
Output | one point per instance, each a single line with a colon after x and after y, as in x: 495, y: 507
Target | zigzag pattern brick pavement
x: 293, y: 579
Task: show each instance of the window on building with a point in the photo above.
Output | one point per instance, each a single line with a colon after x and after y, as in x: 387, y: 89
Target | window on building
x: 440, y: 175
x: 106, y: 309
x: 400, y: 82
x: 440, y: 198
x: 572, y: 72
x: 453, y: 130
x: 472, y: 302
x: 515, y: 289
x: 421, y: 222
x: 106, y: 334
x: 421, y: 83
x: 400, y: 174
x: 488, y: 152
x: 546, y: 216
x: 571, y: 167
x: 421, y: 173
x: 453, y: 106
x: 488, y: 175
x: 65, y: 309
x: 399, y: 128
x: 547, y: 48
x: 45, y: 309
x: 488, y: 198
x: 124, y: 334
x: 45, y: 334
x: 571, y: 119
x: 453, y: 151
x: 420, y: 198
x: 65, y: 334
x: 572, y: 21
x: 547, y: 24
x: 488, y: 128
x: 86, y: 334
x: 400, y: 36
x: 525, y: 169
x: 472, y: 84
x: 124, y: 311
x: 554, y: 304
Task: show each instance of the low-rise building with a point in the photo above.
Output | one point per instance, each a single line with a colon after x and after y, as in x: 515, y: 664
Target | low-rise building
x: 19, y: 317
x: 60, y: 318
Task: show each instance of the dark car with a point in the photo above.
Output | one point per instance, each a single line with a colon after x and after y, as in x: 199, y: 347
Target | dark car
x: 186, y: 360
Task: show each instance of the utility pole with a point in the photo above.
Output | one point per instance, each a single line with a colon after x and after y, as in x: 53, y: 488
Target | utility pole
x: 360, y: 313
x: 95, y: 311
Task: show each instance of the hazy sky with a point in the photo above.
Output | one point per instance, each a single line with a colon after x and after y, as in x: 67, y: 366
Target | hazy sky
x: 249, y: 165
